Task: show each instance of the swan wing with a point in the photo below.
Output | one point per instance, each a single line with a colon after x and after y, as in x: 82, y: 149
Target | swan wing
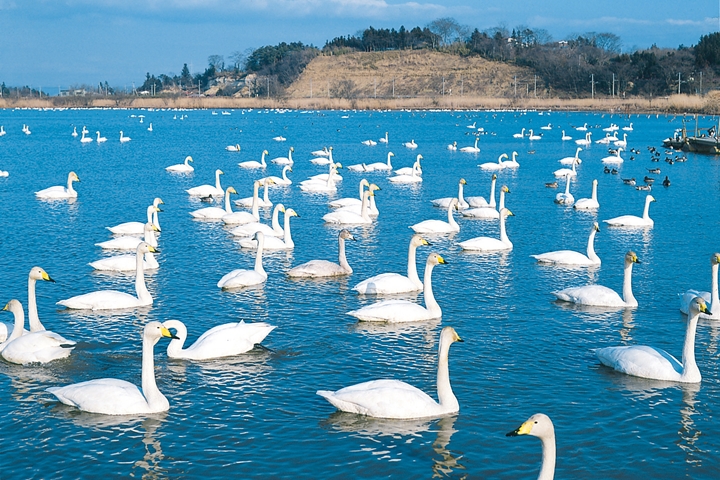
x: 105, y: 395
x: 433, y: 226
x: 592, y: 295
x: 641, y: 361
x: 38, y: 347
x: 227, y: 340
x: 241, y: 278
x: 122, y: 263
x: 563, y: 257
x: 317, y: 268
x: 387, y: 283
x: 392, y: 311
x: 484, y: 244
x: 688, y: 297
x: 102, y: 300
x: 137, y: 228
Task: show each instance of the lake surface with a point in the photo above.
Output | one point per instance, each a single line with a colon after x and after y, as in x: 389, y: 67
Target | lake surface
x: 257, y: 414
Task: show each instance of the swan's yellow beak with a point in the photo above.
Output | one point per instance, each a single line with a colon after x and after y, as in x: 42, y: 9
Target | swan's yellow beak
x: 441, y: 260
x: 46, y: 277
x: 597, y: 227
x: 7, y: 306
x: 506, y: 189
x: 167, y: 333
x: 424, y: 242
x: 154, y: 227
x: 153, y: 249
x: 157, y: 209
x: 523, y: 429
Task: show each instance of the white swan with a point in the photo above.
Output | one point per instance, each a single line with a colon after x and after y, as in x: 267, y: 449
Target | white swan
x: 59, y: 192
x: 384, y: 139
x: 532, y: 136
x: 396, y: 399
x: 488, y: 212
x: 243, y: 277
x: 112, y: 299
x: 473, y: 149
x: 380, y: 166
x: 150, y: 128
x: 611, y: 128
x: 369, y: 143
x: 409, y: 170
x: 393, y: 283
x: 494, y: 165
x: 233, y: 148
x: 589, y: 203
x: 138, y: 228
x: 350, y: 201
x: 546, y: 127
x: 125, y: 263
x: 565, y: 172
x: 371, y: 205
x: 327, y: 186
x: 324, y: 158
x: 444, y: 202
x: 84, y: 139
x: 584, y: 141
x: 184, y: 167
x: 254, y: 163
x: 478, y: 201
x: 650, y: 362
x: 264, y: 202
x: 124, y: 139
x: 519, y: 135
x: 581, y: 129
x: 565, y: 198
x: 249, y: 229
x: 614, y: 159
x: 628, y: 128
x: 607, y: 139
x: 633, y: 220
x: 279, y: 138
x: 33, y: 347
x: 540, y: 425
x: 511, y: 163
x: 621, y: 143
x: 74, y: 132
x: 282, y: 181
x: 347, y: 217
x: 571, y: 257
x: 129, y: 242
x: 36, y: 273
x: 111, y: 396
x: 322, y: 177
x: 284, y: 160
x: 411, y: 145
x: 224, y: 340
x: 452, y: 146
x: 488, y: 244
x: 599, y: 296
x: 275, y: 243
x: 239, y: 218
x: 439, y: 226
x: 208, y: 190
x: 321, y: 153
x: 100, y: 139
x: 413, y: 177
x: 565, y: 137
x: 394, y: 311
x: 325, y: 268
x: 215, y: 213
x: 710, y: 297
x: 572, y: 160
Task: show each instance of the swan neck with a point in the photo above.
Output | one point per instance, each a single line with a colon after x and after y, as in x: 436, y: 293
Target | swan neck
x: 628, y: 296
x: 228, y: 207
x: 18, y: 326
x: 284, y: 174
x: 461, y: 199
x: 646, y: 212
x: 217, y: 180
x: 262, y: 161
x: 287, y: 236
x: 33, y: 318
x: 567, y: 183
x: 594, y: 192
x: 265, y: 194
x: 150, y: 391
x: 362, y: 191
x: 446, y: 397
x: 501, y: 205
x: 364, y: 206
x: 503, y: 233
x: 690, y: 368
x: 547, y: 470
x: 140, y: 287
x: 430, y: 304
x: 451, y: 218
x: 258, y: 256
x: 412, y: 266
x: 255, y: 203
x: 714, y: 297
x: 388, y: 161
x: 342, y: 259
x: 591, y: 247
x: 275, y: 222
x: 492, y: 193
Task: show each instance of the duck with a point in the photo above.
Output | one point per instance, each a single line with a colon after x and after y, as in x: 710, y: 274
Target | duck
x: 215, y: 213
x: 444, y: 202
x: 630, y: 221
x: 710, y: 297
x: 397, y: 399
x: 565, y: 198
x: 588, y: 203
x: 124, y: 139
x: 281, y: 181
x: 488, y: 244
x: 249, y: 229
x: 284, y: 160
x: 233, y: 148
x: 439, y: 226
x: 488, y: 212
x: 138, y: 228
x: 32, y: 347
x: 571, y: 257
x: 59, y: 192
x: 478, y: 201
x: 226, y: 340
x: 473, y: 149
x: 654, y: 363
x: 572, y: 160
x: 275, y: 243
x: 540, y: 425
x: 629, y: 181
x: 494, y: 166
x: 395, y: 311
x: 112, y: 299
x: 600, y: 296
x: 111, y: 396
x: 208, y: 190
x: 244, y: 278
x: 325, y: 268
x: 253, y: 164
x: 394, y: 283
x: 184, y: 167
x: 666, y: 182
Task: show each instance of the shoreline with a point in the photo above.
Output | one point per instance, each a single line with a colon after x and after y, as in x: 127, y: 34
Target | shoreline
x: 674, y: 104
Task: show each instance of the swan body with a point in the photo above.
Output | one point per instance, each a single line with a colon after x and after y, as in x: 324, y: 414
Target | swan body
x: 546, y: 127
x: 572, y: 160
x: 284, y: 160
x: 393, y: 283
x: 208, y: 190
x: 243, y: 277
x: 565, y: 198
x: 452, y: 146
x: 324, y: 268
x: 445, y: 202
x: 650, y: 362
x: 488, y: 244
x: 384, y: 139
x: 565, y: 137
x: 369, y: 143
x: 279, y: 138
x: 494, y: 166
x: 350, y: 201
x: 275, y: 243
x: 111, y: 396
x: 540, y: 425
x: 112, y: 299
x: 130, y: 242
x: 532, y: 136
x: 100, y: 139
x: 59, y: 192
x: 284, y: 180
x: 411, y: 145
x: 380, y: 166
x: 395, y: 311
x: 396, y: 399
x: 33, y: 347
x: 252, y: 164
x: 184, y: 167
x: 628, y: 128
x: 473, y: 149
x: 710, y: 297
x: 488, y: 211
x: 138, y: 228
x: 571, y: 257
x: 614, y: 159
x: 584, y: 141
x: 566, y: 172
x: 621, y: 143
x: 233, y: 148
x: 413, y: 177
x: 323, y: 158
x: 600, y: 296
x: 225, y: 340
x: 632, y: 221
x: 321, y: 153
x: 511, y: 163
x: 124, y: 139
x: 249, y: 229
x: 519, y: 135
x: 409, y: 170
x: 439, y: 226
x: 588, y: 203
x: 480, y: 201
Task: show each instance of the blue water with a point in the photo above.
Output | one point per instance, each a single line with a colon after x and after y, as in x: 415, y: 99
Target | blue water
x: 258, y: 414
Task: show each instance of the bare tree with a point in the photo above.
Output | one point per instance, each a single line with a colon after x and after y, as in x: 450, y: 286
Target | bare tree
x: 448, y: 29
x: 217, y: 61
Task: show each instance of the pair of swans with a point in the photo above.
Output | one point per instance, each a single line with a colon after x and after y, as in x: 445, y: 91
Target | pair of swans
x: 413, y: 175
x: 352, y: 215
x: 570, y: 257
x: 138, y: 228
x: 473, y: 149
x: 208, y: 190
x: 393, y: 283
x: 113, y: 299
x: 282, y: 181
x: 494, y: 166
x: 614, y: 159
x: 249, y: 229
x: 565, y: 198
x: 184, y: 167
x: 488, y: 212
x: 324, y: 183
x: 409, y: 170
x: 325, y: 268
x: 323, y: 157
x: 373, y: 167
x: 275, y: 243
x: 369, y: 143
x: 284, y: 160
x: 240, y: 218
x: 224, y: 340
x: 59, y: 192
x: 600, y: 296
x: 129, y: 242
x: 325, y: 152
x: 710, y: 297
x: 489, y: 244
x: 244, y: 278
x: 445, y: 202
x: 584, y: 141
x: 439, y: 226
x: 478, y: 201
x: 253, y: 164
x: 633, y: 221
x: 112, y: 396
x: 36, y: 273
x: 40, y: 346
x: 452, y: 146
x: 355, y: 202
x: 540, y: 425
x: 589, y: 203
x: 399, y: 400
x: 215, y: 213
x: 264, y: 202
x: 396, y: 311
x: 607, y: 139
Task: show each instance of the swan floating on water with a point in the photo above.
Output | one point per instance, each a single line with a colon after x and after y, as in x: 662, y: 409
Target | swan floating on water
x: 461, y: 203
x: 571, y: 257
x: 225, y: 340
x: 633, y: 221
x: 439, y: 226
x: 588, y: 203
x: 281, y: 181
x: 138, y: 228
x: 393, y: 283
x: 325, y: 268
x: 284, y: 160
x: 494, y: 165
x: 488, y: 244
x: 129, y: 242
x: 59, y: 192
x: 275, y: 243
x: 249, y: 229
x: 244, y: 278
x: 182, y: 167
x: 254, y: 163
x: 124, y: 139
x: 208, y: 190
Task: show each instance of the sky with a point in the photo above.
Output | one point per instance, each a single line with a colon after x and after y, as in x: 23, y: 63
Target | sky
x: 53, y: 44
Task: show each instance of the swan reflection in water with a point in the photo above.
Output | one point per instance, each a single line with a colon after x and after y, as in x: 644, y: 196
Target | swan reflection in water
x: 388, y: 436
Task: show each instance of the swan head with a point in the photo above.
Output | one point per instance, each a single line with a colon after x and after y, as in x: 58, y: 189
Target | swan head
x: 373, y: 187
x: 596, y: 227
x: 219, y: 172
x: 539, y: 425
x: 280, y: 207
x: 144, y: 248
x: 506, y: 212
x: 505, y: 189
x: 449, y: 334
x: 156, y: 330
x: 158, y: 201
x: 14, y: 306
x: 391, y: 154
x: 463, y: 181
x: 650, y: 198
x: 292, y: 213
x: 156, y: 208
x: 73, y: 176
x: 337, y: 165
x: 189, y: 159
x: 231, y: 190
x: 37, y: 273
x: 179, y: 327
x: 259, y: 236
x: 698, y: 305
x: 417, y: 240
x: 365, y: 182
x: 419, y: 157
x: 265, y: 152
x: 715, y: 259
x: 504, y: 155
x: 494, y: 177
x: 150, y: 227
x: 631, y: 257
x: 292, y: 149
x: 346, y: 235
x: 436, y: 259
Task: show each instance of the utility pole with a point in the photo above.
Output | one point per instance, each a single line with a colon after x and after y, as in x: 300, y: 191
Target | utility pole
x: 592, y: 85
x: 678, y: 83
x: 701, y: 93
x: 267, y: 80
x: 613, y: 86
